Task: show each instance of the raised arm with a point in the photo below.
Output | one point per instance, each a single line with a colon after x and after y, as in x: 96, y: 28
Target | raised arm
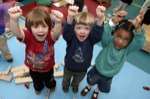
x: 97, y: 29
x: 139, y: 38
x: 100, y: 12
x: 15, y: 13
x: 72, y: 11
x: 57, y: 17
x: 68, y: 28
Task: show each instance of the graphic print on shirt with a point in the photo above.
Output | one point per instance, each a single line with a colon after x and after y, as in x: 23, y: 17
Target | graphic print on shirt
x: 39, y: 60
x: 78, y: 55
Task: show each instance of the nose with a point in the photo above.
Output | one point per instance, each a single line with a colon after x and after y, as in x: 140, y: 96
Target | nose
x: 82, y: 31
x: 40, y: 28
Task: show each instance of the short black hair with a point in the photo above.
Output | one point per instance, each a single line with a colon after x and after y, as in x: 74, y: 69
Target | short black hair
x: 127, y: 26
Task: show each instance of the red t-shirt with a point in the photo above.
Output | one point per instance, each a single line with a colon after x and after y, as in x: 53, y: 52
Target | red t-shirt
x: 39, y: 56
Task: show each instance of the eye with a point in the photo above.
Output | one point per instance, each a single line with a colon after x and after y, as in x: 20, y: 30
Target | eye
x: 44, y: 26
x: 87, y: 28
x: 78, y: 27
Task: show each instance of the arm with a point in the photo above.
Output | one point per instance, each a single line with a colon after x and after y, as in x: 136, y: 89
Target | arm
x: 97, y: 30
x: 139, y: 38
x: 57, y: 17
x: 145, y: 6
x: 68, y: 28
x: 106, y: 36
x: 15, y: 13
x: 72, y: 11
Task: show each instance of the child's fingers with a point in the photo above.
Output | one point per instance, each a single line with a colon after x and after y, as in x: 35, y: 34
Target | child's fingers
x: 73, y: 8
x: 58, y: 14
x: 100, y: 11
x: 14, y: 9
x: 101, y: 8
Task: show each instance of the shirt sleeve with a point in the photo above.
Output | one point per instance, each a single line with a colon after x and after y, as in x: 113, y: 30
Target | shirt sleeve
x: 107, y: 35
x: 138, y: 41
x: 96, y: 33
x: 68, y: 31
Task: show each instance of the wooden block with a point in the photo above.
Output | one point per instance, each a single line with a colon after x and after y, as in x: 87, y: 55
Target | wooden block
x: 58, y: 73
x: 19, y: 68
x: 56, y: 66
x: 6, y: 77
x: 6, y: 72
x: 20, y: 73
x: 8, y: 35
x: 22, y: 80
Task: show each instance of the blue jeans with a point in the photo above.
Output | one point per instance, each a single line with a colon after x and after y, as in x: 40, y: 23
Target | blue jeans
x: 103, y: 82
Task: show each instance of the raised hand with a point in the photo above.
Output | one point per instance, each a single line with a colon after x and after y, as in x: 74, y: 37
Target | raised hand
x: 72, y: 10
x: 15, y: 12
x: 138, y: 20
x: 119, y: 16
x: 100, y: 12
x: 57, y: 16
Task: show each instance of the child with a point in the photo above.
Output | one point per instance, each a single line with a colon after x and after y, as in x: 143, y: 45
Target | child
x: 3, y: 40
x: 80, y: 35
x: 116, y: 45
x: 39, y: 39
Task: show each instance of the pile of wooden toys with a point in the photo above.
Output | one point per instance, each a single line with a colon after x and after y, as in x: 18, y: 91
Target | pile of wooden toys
x: 20, y: 74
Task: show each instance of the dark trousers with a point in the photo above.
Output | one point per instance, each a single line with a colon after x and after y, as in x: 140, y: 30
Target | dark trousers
x: 103, y: 82
x: 43, y: 79
x: 75, y: 77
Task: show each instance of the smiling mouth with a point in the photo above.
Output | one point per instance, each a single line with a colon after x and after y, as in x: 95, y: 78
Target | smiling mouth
x: 40, y: 35
x: 82, y: 37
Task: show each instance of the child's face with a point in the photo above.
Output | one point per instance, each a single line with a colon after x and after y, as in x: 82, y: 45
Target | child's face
x: 82, y: 31
x: 121, y: 38
x: 40, y: 31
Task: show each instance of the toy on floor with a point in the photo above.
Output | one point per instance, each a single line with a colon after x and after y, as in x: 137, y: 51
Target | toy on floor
x: 21, y: 74
x: 5, y: 75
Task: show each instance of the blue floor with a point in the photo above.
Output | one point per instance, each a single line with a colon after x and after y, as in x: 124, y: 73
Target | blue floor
x: 126, y: 85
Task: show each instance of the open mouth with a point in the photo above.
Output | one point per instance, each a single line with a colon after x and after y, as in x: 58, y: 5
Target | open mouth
x: 40, y: 35
x: 82, y: 37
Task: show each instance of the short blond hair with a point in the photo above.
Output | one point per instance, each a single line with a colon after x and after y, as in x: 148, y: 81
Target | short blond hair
x: 84, y: 18
x: 38, y: 16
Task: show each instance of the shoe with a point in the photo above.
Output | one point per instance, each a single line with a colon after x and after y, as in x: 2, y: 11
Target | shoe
x: 65, y: 88
x: 75, y: 89
x: 52, y: 84
x: 146, y: 88
x: 10, y: 60
x: 37, y: 92
x: 95, y: 95
x: 85, y: 91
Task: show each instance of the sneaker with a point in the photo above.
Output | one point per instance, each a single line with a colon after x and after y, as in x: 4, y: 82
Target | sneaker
x: 75, y: 89
x: 10, y: 60
x: 85, y: 91
x: 65, y: 88
x: 146, y: 88
x: 95, y: 95
x: 53, y: 84
x: 37, y: 92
